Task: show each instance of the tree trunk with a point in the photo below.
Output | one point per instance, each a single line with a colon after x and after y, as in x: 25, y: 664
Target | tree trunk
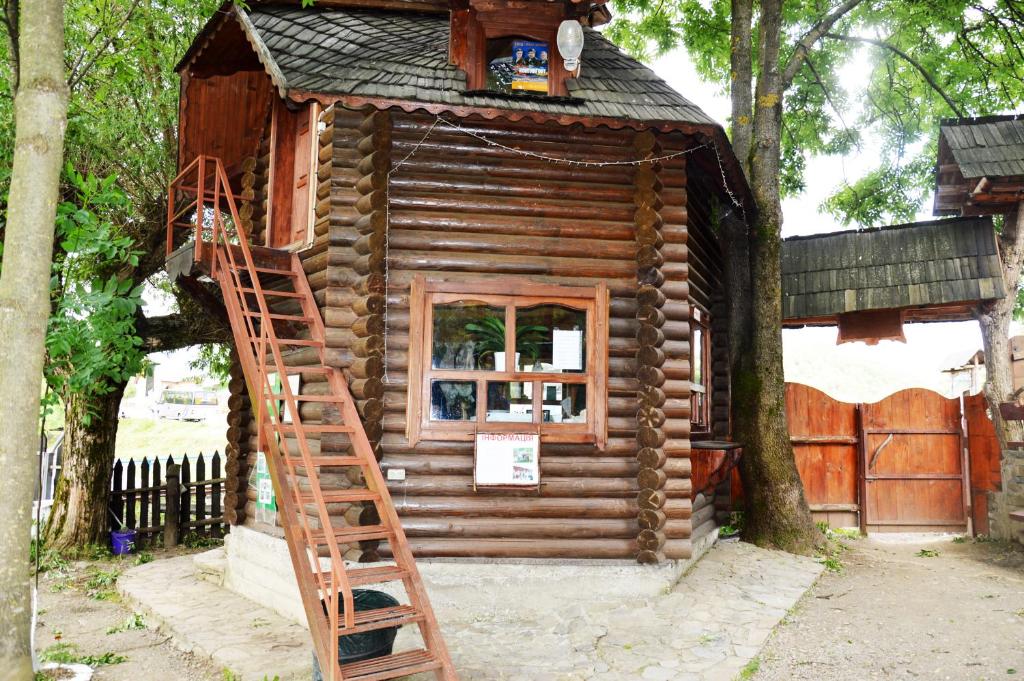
x: 777, y: 511
x: 79, y: 514
x: 40, y: 117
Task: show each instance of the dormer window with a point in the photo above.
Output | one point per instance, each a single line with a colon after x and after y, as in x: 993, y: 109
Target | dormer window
x: 517, y: 65
x: 511, y: 49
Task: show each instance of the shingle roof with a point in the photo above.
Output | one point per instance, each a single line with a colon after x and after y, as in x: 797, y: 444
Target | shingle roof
x: 987, y: 147
x: 404, y: 55
x: 925, y: 263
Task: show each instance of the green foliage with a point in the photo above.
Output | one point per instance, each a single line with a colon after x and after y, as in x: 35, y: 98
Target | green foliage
x: 912, y: 62
x: 194, y: 540
x: 49, y: 560
x: 143, y: 558
x: 489, y: 335
x: 749, y: 670
x: 927, y: 553
x: 734, y: 527
x: 91, y: 340
x: 214, y: 359
x: 132, y: 622
x: 100, y: 584
x: 67, y: 653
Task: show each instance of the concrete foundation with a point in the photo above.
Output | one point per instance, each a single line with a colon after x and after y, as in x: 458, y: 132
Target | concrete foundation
x: 259, y: 567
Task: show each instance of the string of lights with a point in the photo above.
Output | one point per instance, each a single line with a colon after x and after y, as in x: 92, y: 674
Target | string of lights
x: 440, y: 120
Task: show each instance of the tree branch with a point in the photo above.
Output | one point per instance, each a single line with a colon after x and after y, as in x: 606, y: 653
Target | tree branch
x: 10, y: 19
x: 812, y: 36
x: 175, y: 331
x: 80, y: 70
x: 907, y: 58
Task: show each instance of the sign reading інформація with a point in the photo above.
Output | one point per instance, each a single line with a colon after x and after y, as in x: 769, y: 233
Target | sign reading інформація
x: 507, y: 459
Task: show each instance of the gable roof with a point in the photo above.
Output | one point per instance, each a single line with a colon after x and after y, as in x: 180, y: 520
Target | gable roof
x: 919, y: 264
x: 402, y: 55
x: 992, y: 146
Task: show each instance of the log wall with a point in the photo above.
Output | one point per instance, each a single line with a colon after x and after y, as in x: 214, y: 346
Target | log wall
x: 459, y: 208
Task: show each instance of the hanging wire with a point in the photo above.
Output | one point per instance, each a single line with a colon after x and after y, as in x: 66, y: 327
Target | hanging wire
x: 440, y: 120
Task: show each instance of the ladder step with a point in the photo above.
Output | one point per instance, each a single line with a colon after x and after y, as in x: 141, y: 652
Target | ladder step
x: 334, y: 399
x: 315, y: 428
x: 381, y: 618
x: 327, y: 461
x: 284, y: 317
x: 272, y: 292
x: 390, y: 666
x: 376, y: 575
x: 288, y: 341
x: 342, y: 496
x: 264, y: 270
x: 353, y: 534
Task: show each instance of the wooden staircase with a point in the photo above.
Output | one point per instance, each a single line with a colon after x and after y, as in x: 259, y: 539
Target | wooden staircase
x: 272, y: 312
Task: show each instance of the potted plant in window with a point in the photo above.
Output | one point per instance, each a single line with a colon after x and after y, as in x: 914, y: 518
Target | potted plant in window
x: 489, y: 335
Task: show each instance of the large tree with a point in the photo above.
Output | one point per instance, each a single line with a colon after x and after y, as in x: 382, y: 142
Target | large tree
x: 123, y: 111
x: 781, y: 64
x: 36, y: 32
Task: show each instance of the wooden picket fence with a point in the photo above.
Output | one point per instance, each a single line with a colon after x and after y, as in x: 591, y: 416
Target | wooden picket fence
x: 146, y: 494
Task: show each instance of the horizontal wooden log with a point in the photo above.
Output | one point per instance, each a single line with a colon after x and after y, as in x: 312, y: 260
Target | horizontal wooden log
x: 521, y: 548
x: 454, y: 464
x: 523, y: 528
x: 516, y: 507
x: 444, y: 485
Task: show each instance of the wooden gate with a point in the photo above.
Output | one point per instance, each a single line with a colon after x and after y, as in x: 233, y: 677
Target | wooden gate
x: 898, y: 465
x: 913, y: 461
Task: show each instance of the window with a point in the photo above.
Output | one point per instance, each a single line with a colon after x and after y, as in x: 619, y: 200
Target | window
x: 482, y: 359
x: 700, y: 371
x: 517, y: 65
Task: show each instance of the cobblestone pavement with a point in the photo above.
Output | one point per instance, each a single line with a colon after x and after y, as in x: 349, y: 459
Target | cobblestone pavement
x: 706, y: 629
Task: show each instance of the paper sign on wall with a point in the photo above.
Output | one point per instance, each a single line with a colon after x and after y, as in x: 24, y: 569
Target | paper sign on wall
x: 507, y: 459
x: 567, y: 350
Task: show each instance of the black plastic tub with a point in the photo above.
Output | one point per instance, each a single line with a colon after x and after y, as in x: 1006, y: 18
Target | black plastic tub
x: 368, y: 644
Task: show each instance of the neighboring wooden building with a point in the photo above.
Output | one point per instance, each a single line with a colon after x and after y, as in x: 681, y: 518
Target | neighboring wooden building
x: 435, y: 208
x: 870, y: 282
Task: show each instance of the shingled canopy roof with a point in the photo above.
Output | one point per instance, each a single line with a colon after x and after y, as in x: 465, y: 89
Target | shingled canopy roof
x: 980, y: 165
x: 934, y: 270
x: 399, y: 55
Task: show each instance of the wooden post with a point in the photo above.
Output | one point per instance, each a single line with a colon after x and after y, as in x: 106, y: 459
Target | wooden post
x: 144, y: 502
x: 216, y: 506
x: 116, y: 504
x: 200, y: 492
x: 171, y: 514
x: 862, y: 470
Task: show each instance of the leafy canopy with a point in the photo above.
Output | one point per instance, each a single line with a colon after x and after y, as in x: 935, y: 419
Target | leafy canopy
x: 880, y: 81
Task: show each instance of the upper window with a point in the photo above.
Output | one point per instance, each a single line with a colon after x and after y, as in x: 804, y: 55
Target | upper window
x: 490, y: 361
x: 700, y: 371
x: 517, y: 65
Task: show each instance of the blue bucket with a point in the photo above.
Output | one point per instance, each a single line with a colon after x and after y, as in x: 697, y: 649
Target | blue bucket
x: 122, y: 542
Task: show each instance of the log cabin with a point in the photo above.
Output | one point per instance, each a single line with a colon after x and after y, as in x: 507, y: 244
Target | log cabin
x: 499, y: 241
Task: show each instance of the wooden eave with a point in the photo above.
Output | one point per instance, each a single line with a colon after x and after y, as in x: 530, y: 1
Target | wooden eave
x: 950, y: 312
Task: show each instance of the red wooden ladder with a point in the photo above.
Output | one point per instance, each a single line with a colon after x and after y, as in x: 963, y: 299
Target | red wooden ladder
x: 254, y: 291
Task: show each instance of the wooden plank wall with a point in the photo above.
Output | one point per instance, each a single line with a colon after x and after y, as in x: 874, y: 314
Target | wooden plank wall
x: 983, y: 447
x: 824, y: 434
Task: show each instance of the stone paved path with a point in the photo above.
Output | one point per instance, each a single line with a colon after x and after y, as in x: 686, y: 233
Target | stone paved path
x: 706, y: 629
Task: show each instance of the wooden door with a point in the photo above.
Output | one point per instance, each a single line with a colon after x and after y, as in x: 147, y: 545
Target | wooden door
x: 913, y: 463
x: 292, y: 165
x: 983, y: 450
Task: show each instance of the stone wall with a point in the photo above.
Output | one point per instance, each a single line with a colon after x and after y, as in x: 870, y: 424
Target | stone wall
x: 1010, y: 499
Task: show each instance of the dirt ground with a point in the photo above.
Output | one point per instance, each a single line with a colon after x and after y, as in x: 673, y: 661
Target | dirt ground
x: 896, y: 611
x: 81, y: 619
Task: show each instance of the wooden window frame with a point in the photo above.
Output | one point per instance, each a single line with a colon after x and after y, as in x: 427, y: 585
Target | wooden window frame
x: 700, y: 417
x: 424, y: 294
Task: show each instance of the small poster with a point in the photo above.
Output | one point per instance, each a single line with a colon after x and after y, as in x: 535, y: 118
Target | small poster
x: 266, y: 503
x: 507, y: 459
x: 530, y: 66
x: 567, y: 350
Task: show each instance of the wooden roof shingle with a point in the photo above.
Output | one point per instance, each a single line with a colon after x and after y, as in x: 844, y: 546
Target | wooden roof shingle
x: 986, y: 147
x: 920, y: 264
x: 404, y: 55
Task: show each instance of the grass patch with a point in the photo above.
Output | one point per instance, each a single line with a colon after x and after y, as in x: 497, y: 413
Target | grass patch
x: 927, y: 553
x: 749, y: 670
x: 831, y: 553
x: 734, y: 527
x: 136, y: 438
x: 100, y: 584
x: 194, y: 540
x: 67, y: 653
x: 134, y: 621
